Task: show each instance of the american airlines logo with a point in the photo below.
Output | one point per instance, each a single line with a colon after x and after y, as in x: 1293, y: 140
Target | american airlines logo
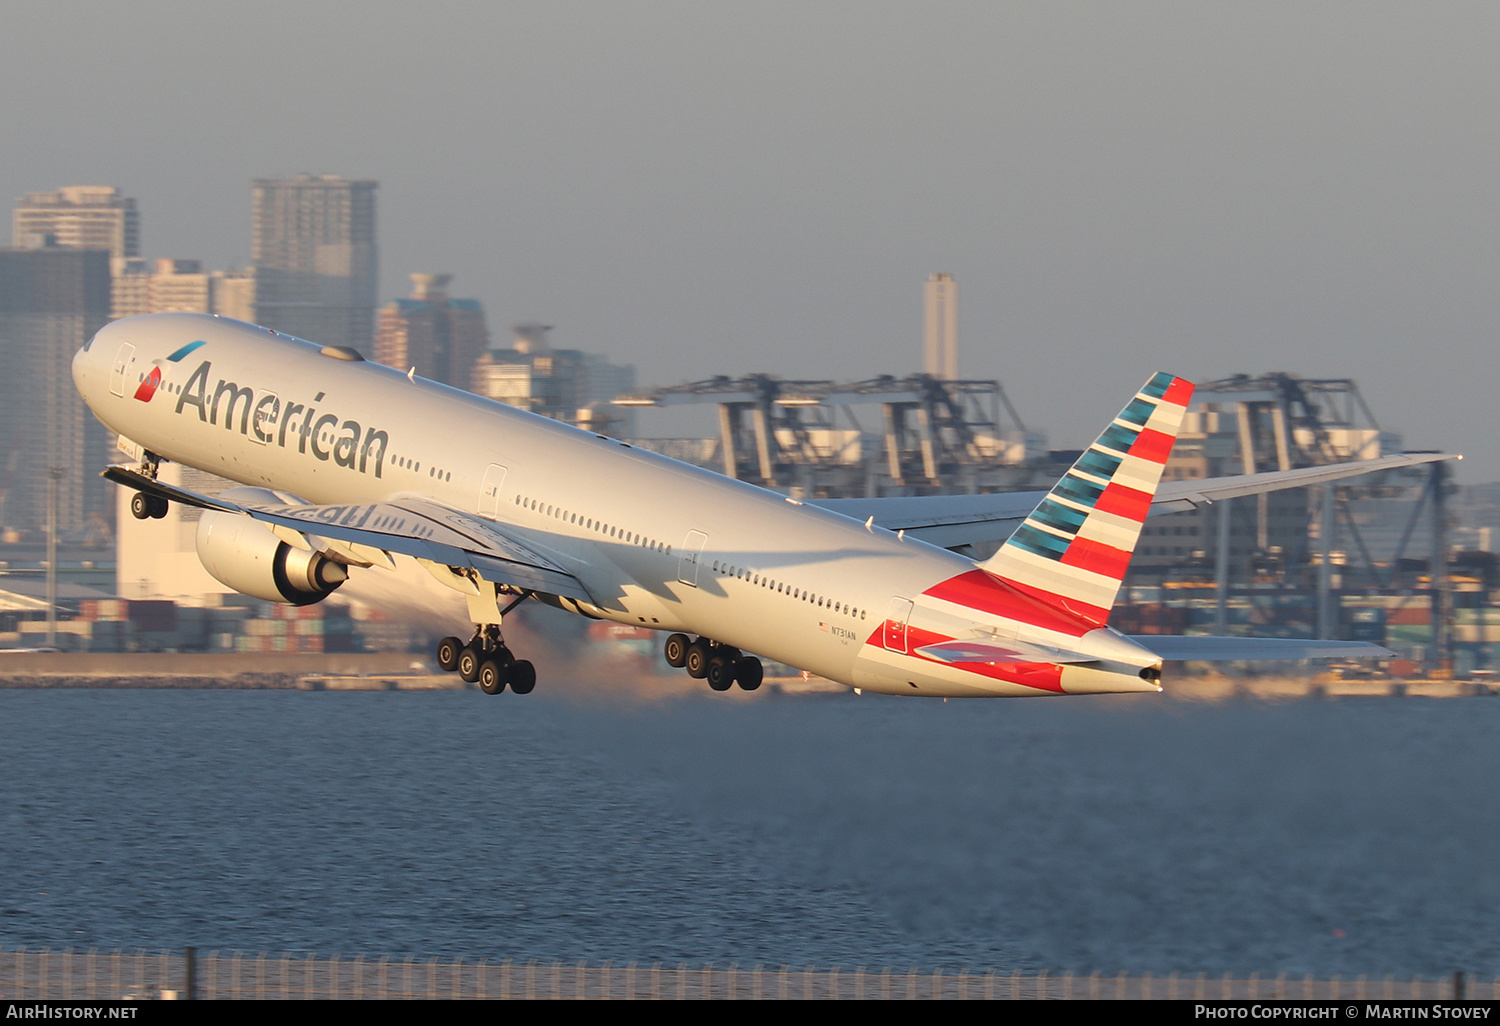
x: 348, y: 444
x: 152, y: 381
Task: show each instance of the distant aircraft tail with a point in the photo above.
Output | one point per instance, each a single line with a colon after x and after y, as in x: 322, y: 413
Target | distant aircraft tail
x: 1074, y: 549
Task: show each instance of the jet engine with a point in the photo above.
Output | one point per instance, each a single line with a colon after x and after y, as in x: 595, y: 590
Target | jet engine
x: 246, y: 555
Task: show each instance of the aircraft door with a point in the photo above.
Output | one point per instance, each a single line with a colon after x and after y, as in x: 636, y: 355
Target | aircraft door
x: 489, y: 491
x: 123, y: 359
x: 895, y: 624
x: 687, y: 565
x: 264, y: 417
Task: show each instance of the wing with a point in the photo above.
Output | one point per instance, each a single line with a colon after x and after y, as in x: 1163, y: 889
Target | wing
x: 1178, y: 648
x: 367, y: 533
x: 951, y: 521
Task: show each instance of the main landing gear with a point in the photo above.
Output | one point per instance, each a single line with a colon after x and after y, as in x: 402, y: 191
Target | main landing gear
x: 486, y: 661
x: 720, y: 665
x: 147, y: 507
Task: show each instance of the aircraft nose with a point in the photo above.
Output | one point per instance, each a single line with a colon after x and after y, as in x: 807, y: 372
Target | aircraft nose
x: 81, y: 367
x: 86, y: 365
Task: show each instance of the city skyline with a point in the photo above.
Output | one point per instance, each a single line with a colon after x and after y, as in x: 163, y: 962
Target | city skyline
x: 698, y: 191
x: 308, y: 224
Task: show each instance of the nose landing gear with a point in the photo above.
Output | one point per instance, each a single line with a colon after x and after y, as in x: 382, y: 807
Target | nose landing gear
x: 147, y: 507
x: 721, y: 665
x: 143, y: 506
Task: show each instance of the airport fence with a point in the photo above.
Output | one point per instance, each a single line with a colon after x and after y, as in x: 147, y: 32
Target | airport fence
x: 70, y: 975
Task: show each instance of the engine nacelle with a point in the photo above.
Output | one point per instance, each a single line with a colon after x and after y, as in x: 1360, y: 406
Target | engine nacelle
x: 246, y: 555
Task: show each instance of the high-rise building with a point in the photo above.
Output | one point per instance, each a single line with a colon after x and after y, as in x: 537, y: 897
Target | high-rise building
x: 79, y: 217
x: 313, y: 246
x: 940, y: 327
x: 130, y: 287
x: 564, y: 384
x: 441, y: 337
x: 52, y: 300
x: 179, y: 286
x: 89, y: 217
x: 234, y: 294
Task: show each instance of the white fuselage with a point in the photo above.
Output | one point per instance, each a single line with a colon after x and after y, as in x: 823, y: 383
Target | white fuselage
x: 657, y: 543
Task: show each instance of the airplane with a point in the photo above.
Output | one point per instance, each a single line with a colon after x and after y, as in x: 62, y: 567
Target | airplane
x: 344, y: 464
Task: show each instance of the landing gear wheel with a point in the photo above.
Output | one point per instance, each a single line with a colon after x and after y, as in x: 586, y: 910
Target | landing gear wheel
x: 447, y: 653
x: 158, y: 506
x: 720, y: 673
x: 522, y: 677
x: 468, y: 664
x: 491, y: 677
x: 676, y: 650
x: 696, y: 659
x: 140, y: 506
x: 749, y: 673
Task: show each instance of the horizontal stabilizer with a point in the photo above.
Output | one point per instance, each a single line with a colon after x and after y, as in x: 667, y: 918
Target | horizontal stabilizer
x: 1179, y: 496
x: 950, y: 521
x: 1008, y: 651
x: 1180, y: 648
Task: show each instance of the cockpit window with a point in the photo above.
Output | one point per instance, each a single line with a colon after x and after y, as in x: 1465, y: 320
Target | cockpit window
x: 89, y: 342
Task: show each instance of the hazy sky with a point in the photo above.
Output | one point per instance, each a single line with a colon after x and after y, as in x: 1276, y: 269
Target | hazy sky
x: 702, y: 188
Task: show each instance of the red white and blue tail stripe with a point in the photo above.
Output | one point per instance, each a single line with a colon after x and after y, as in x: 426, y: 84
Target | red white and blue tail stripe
x: 1072, y: 552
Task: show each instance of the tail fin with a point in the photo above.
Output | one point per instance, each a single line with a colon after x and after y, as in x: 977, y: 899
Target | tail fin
x: 1074, y: 549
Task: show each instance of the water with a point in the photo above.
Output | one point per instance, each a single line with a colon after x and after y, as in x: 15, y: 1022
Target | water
x: 1137, y: 835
